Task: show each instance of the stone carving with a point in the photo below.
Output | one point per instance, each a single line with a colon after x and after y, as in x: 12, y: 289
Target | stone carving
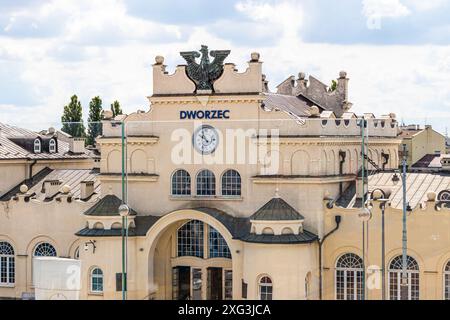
x: 204, y: 73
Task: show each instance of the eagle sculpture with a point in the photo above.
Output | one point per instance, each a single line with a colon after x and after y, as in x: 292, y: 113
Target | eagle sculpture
x: 205, y: 73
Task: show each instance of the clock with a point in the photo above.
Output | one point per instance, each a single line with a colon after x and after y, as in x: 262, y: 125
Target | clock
x: 205, y: 139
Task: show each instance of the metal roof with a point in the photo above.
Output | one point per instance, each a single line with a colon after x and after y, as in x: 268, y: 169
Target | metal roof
x: 107, y: 206
x: 289, y: 104
x: 276, y: 209
x: 417, y: 186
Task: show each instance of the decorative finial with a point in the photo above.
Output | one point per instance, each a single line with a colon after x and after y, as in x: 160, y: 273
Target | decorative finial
x: 342, y: 74
x: 254, y: 57
x: 159, y: 59
x: 301, y: 76
x: 24, y: 188
x: 277, y: 195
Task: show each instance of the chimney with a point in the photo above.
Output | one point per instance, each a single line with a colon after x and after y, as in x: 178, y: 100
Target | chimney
x: 87, y: 189
x: 342, y: 85
x: 76, y: 145
x: 51, y: 188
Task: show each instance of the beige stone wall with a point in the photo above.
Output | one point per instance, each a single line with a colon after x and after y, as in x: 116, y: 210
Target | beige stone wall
x: 425, y: 142
x: 428, y: 243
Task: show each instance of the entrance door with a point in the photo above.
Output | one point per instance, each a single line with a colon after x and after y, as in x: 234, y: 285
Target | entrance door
x: 181, y: 283
x: 214, y: 284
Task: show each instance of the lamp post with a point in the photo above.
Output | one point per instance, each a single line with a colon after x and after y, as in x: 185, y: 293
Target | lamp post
x: 383, y: 197
x: 404, y: 277
x: 124, y: 212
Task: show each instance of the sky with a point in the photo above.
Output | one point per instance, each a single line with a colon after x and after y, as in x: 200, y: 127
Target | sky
x: 396, y: 52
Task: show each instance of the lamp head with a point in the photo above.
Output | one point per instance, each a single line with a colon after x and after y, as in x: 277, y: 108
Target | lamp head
x: 124, y: 210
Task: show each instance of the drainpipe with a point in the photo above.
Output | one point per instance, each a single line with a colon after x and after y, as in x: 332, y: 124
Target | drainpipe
x: 337, y: 219
x: 342, y: 155
x: 30, y: 170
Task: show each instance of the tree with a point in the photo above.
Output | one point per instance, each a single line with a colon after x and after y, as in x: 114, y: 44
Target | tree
x: 333, y: 86
x: 94, y: 120
x: 72, y: 118
x: 115, y: 108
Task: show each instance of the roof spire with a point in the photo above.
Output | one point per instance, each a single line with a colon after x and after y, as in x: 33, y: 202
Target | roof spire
x: 277, y: 195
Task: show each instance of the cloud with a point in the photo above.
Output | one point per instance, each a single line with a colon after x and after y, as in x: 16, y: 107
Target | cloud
x: 384, y: 9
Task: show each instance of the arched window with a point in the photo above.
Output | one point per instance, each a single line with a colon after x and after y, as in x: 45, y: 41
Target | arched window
x: 349, y: 277
x: 99, y: 226
x: 447, y: 281
x: 190, y: 239
x: 37, y: 146
x: 206, y: 183
x: 395, y: 278
x: 218, y: 247
x: 44, y: 249
x: 267, y: 230
x: 7, y: 264
x: 97, y: 280
x: 265, y: 288
x: 52, y: 146
x: 181, y: 183
x: 231, y: 183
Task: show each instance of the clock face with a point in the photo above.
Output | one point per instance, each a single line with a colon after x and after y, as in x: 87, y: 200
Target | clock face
x: 205, y: 139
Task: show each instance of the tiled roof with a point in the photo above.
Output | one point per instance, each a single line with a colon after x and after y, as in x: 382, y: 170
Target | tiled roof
x: 107, y: 206
x: 276, y: 209
x: 15, y: 144
x: 408, y: 133
x: 289, y: 104
x: 417, y: 186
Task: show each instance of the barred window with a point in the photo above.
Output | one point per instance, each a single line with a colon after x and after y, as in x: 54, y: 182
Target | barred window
x: 206, y: 183
x: 7, y: 264
x: 190, y: 239
x: 395, y: 278
x: 349, y: 277
x: 231, y: 183
x: 447, y: 281
x: 181, y: 183
x: 265, y: 288
x: 218, y: 247
x: 97, y: 280
x: 44, y: 249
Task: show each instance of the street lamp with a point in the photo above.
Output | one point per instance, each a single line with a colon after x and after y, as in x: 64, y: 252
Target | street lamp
x: 383, y: 197
x: 395, y: 181
x: 124, y: 212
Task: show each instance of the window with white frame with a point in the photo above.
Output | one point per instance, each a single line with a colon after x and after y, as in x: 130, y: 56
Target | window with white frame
x: 96, y: 280
x: 37, y: 146
x: 190, y: 239
x: 395, y: 278
x: 218, y: 247
x: 349, y: 277
x: 181, y: 183
x: 265, y: 288
x: 44, y: 249
x: 7, y: 264
x: 206, y: 183
x: 52, y: 146
x: 447, y: 281
x: 231, y: 183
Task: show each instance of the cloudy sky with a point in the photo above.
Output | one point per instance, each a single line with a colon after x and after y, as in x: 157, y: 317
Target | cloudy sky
x: 396, y: 52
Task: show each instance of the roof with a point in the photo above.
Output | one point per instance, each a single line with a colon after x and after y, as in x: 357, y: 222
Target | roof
x: 239, y: 228
x: 289, y: 104
x: 417, y: 186
x: 70, y: 177
x: 276, y: 209
x: 408, y: 133
x: 17, y: 143
x: 107, y: 206
x: 302, y: 237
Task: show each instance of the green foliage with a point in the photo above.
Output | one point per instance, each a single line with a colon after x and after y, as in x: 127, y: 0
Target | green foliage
x: 94, y: 120
x: 333, y: 86
x: 115, y: 108
x: 72, y: 118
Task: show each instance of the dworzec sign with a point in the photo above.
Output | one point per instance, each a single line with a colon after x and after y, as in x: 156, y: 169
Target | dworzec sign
x: 205, y: 114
